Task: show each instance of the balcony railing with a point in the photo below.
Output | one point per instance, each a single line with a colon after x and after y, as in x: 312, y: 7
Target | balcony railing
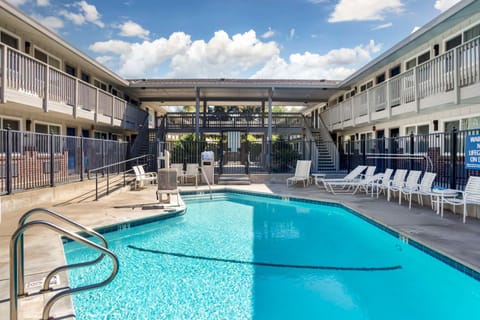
x: 34, y: 78
x: 232, y: 120
x: 444, y: 75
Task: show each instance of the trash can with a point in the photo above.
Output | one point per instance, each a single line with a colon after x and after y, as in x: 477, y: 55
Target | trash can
x: 208, y: 166
x: 166, y: 183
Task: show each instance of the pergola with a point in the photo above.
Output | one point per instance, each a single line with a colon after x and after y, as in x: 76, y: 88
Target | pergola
x: 156, y: 93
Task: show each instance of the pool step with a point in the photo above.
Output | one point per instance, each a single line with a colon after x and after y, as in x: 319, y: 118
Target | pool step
x: 204, y: 197
x: 234, y: 179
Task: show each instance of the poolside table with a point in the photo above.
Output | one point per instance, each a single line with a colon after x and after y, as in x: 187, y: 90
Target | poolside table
x: 316, y: 178
x: 441, y: 194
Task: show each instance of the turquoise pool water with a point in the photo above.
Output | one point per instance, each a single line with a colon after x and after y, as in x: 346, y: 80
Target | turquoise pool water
x: 252, y: 257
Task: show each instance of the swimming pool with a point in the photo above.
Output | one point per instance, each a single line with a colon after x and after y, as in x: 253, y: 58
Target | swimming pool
x: 242, y: 256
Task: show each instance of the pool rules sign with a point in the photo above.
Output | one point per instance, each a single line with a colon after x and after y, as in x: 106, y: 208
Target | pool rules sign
x: 472, y: 152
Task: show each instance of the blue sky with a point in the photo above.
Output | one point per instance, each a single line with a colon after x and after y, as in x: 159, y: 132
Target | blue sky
x: 304, y: 39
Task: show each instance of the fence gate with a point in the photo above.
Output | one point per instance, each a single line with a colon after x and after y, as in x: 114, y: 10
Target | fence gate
x: 234, y: 154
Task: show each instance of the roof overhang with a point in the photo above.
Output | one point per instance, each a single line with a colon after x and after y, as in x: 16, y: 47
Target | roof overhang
x: 166, y: 92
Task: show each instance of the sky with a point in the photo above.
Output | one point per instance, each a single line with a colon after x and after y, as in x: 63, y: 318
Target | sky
x: 294, y: 39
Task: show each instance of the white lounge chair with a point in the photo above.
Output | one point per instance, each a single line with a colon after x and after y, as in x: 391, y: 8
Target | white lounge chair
x: 147, y: 174
x: 397, y: 182
x: 140, y: 178
x: 422, y: 189
x: 346, y: 181
x: 410, y: 184
x: 191, y: 173
x: 180, y: 173
x: 302, y: 173
x: 471, y: 195
x: 383, y: 183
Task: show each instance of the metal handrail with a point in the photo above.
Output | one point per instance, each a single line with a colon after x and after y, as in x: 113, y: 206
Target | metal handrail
x: 97, y: 170
x: 14, y: 283
x: 208, y: 182
x: 54, y: 214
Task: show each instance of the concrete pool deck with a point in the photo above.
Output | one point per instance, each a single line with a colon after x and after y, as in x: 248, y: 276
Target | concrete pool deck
x: 44, y: 249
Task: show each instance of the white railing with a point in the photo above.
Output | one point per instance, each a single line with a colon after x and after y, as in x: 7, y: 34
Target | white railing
x: 33, y: 77
x: 459, y: 67
x: 105, y: 103
x: 87, y: 96
x: 61, y: 88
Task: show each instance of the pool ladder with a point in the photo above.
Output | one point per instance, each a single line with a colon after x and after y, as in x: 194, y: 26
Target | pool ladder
x: 17, y: 267
x: 208, y: 182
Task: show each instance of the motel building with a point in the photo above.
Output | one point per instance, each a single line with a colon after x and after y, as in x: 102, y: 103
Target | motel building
x: 417, y: 105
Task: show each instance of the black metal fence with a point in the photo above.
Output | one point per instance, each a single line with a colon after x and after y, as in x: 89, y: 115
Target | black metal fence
x: 32, y: 160
x: 248, y: 157
x: 441, y: 152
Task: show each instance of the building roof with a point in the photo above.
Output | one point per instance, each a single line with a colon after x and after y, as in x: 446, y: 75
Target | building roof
x: 158, y: 92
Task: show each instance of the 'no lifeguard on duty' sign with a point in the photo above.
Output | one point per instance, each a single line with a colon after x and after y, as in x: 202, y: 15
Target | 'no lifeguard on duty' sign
x: 472, y: 152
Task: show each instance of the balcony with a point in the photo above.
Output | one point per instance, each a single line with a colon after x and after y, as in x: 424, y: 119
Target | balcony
x: 233, y: 121
x: 447, y: 80
x: 40, y: 87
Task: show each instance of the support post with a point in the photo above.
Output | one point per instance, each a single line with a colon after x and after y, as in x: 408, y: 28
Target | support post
x: 8, y: 164
x: 46, y: 89
x: 204, y: 113
x: 52, y: 162
x: 197, y: 114
x: 82, y: 161
x: 456, y: 76
x: 412, y: 150
x: 453, y: 158
x: 269, y: 131
x: 75, y: 103
x: 3, y: 63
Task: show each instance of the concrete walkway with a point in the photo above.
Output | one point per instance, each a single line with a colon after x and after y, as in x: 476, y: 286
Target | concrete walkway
x: 44, y: 250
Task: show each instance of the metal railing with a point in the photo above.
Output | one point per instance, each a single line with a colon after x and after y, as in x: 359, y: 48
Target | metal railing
x: 439, y: 152
x: 31, y: 160
x: 117, y: 168
x: 17, y: 277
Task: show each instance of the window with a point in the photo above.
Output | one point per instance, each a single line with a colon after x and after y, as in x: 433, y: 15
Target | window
x: 10, y: 124
x: 85, y: 77
x: 340, y: 99
x: 423, y: 57
x: 44, y: 57
x: 366, y: 86
x: 394, y: 71
x: 471, y: 33
x: 47, y: 128
x: 70, y: 70
x: 9, y: 39
x: 99, y: 84
x: 454, y: 42
x: 470, y: 123
x: 410, y: 64
x: 380, y: 78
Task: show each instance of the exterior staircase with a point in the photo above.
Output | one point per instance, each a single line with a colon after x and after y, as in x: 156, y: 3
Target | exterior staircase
x: 234, y: 179
x: 325, y: 161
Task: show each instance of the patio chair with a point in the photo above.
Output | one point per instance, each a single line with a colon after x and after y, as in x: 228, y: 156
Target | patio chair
x: 422, y: 189
x: 147, y: 174
x: 383, y: 183
x: 140, y: 178
x: 471, y: 195
x: 302, y: 173
x: 191, y: 173
x: 180, y: 172
x: 397, y: 182
x: 355, y: 185
x: 410, y: 184
x: 352, y: 176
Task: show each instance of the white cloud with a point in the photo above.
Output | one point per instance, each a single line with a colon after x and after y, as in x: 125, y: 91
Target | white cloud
x: 292, y: 33
x: 317, y: 1
x: 220, y: 56
x: 336, y: 64
x: 87, y: 13
x: 43, y: 3
x: 132, y: 29
x: 270, y: 33
x: 414, y: 29
x: 223, y: 56
x: 137, y: 59
x: 383, y: 26
x: 444, y: 5
x: 51, y: 22
x: 361, y: 10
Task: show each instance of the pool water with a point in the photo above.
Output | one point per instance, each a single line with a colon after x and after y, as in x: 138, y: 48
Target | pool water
x: 252, y: 257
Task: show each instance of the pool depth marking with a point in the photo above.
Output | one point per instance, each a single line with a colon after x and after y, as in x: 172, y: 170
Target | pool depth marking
x: 266, y: 264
